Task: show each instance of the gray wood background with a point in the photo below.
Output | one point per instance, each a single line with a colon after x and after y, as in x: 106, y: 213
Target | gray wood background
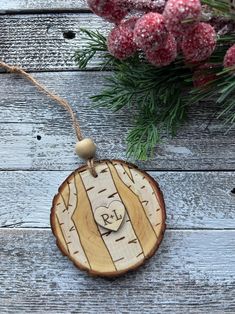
x: 194, y: 270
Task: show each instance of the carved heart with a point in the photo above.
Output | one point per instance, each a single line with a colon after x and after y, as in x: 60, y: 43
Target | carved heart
x: 110, y: 217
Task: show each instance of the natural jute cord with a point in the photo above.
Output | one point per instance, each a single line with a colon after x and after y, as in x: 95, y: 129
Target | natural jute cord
x: 62, y: 102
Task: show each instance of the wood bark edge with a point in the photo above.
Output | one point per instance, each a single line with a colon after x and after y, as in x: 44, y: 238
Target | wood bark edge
x: 91, y: 272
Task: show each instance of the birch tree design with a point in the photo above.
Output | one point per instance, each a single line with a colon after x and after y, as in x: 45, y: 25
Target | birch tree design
x: 110, y: 224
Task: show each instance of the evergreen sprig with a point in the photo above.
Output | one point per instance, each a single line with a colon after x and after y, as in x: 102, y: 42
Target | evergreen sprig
x: 220, y: 5
x: 222, y: 90
x: 95, y: 45
x: 154, y: 94
x: 157, y: 96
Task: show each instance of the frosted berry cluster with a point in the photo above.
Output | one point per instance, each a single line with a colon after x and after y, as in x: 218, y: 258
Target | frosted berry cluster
x: 182, y: 15
x: 199, y: 44
x: 229, y: 59
x: 161, y: 29
x: 110, y: 10
x: 164, y: 55
x: 150, y: 31
x: 120, y: 40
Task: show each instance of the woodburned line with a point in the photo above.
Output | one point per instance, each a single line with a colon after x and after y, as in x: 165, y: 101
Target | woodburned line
x: 147, y: 246
x: 58, y: 225
x: 68, y: 201
x: 127, y: 170
x: 158, y: 206
x: 128, y: 216
x: 71, y: 235
x: 98, y: 226
x: 84, y: 251
x: 131, y: 190
x: 146, y: 209
x: 110, y: 237
x: 94, y: 222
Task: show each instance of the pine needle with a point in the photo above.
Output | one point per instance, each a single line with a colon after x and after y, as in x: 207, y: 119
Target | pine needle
x: 158, y: 95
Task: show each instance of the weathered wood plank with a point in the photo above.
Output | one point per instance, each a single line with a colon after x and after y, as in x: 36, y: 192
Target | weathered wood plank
x: 194, y: 272
x: 20, y: 149
x: 193, y: 199
x: 42, y: 5
x: 26, y: 113
x: 37, y: 42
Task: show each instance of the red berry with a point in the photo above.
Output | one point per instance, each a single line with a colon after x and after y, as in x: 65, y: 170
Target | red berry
x: 110, y: 10
x: 199, y: 44
x: 181, y: 15
x: 120, y: 40
x: 229, y: 59
x: 204, y: 75
x: 163, y: 56
x: 150, y: 31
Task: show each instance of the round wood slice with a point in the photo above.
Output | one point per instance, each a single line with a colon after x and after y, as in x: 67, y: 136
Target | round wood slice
x: 110, y: 224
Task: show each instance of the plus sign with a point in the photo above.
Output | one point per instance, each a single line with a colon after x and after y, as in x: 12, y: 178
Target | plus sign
x: 111, y: 216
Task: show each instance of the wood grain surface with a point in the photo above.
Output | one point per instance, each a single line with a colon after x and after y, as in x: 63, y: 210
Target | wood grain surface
x: 42, y: 5
x: 194, y: 200
x: 193, y: 272
x: 41, y: 39
x: 197, y: 146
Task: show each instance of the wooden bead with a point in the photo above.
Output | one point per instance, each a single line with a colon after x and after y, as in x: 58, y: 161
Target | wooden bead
x: 86, y: 148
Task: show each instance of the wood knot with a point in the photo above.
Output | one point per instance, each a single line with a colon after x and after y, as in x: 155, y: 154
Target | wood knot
x: 233, y: 192
x: 69, y: 35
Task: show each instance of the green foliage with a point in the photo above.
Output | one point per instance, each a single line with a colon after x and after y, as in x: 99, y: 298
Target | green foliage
x: 156, y: 96
x: 220, y: 5
x: 150, y: 123
x: 95, y: 43
x: 222, y: 89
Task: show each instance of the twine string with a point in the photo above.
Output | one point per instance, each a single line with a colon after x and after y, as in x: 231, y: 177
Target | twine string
x: 62, y: 102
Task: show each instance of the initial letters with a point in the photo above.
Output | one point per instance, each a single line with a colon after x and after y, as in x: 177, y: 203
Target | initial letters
x: 105, y: 218
x: 117, y: 218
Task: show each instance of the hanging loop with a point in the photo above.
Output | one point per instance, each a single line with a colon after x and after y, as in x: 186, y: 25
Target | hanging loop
x: 91, y: 167
x: 85, y: 146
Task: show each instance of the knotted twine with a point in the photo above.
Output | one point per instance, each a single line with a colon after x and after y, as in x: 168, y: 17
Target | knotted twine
x: 62, y: 102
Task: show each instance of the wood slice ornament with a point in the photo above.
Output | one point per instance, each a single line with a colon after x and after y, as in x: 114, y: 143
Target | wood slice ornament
x: 108, y: 216
x: 109, y: 224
